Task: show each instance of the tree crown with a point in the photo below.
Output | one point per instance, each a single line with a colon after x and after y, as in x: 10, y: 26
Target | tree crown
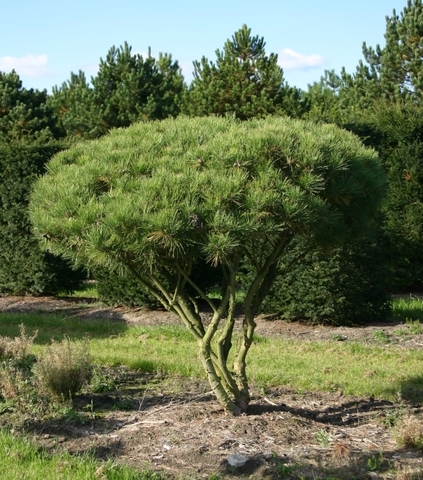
x: 205, y: 187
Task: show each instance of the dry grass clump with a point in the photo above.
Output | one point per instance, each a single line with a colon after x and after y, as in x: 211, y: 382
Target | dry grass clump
x: 64, y: 369
x: 16, y: 361
x: 408, y: 432
x: 17, y: 350
x: 409, y: 474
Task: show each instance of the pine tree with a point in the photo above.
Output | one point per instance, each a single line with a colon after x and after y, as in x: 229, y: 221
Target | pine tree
x: 24, y: 113
x: 131, y: 88
x: 127, y: 88
x: 381, y: 102
x: 74, y: 105
x: 234, y: 195
x: 399, y: 65
x: 244, y: 81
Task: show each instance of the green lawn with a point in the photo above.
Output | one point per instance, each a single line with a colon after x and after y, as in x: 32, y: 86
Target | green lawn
x: 20, y: 459
x: 356, y: 369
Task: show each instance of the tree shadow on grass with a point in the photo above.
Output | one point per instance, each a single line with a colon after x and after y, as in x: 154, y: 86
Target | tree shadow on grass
x: 411, y: 390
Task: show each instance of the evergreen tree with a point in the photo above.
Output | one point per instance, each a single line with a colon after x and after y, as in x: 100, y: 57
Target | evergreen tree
x: 77, y: 113
x: 158, y: 198
x: 24, y: 114
x: 398, y: 66
x: 127, y: 88
x: 243, y: 81
x: 27, y: 141
x: 401, y: 151
x: 393, y: 73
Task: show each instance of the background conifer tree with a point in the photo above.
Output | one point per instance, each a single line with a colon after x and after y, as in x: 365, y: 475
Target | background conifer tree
x: 127, y: 88
x: 244, y: 81
x: 28, y: 138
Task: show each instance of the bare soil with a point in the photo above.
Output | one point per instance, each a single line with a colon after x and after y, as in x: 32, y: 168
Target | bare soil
x: 174, y: 425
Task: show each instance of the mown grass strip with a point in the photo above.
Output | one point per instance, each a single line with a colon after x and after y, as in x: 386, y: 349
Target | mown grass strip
x: 353, y: 368
x: 57, y: 327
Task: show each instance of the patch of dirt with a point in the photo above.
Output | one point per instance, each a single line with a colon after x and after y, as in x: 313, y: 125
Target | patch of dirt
x: 174, y: 425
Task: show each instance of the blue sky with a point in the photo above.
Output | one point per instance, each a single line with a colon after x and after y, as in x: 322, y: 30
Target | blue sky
x: 45, y: 40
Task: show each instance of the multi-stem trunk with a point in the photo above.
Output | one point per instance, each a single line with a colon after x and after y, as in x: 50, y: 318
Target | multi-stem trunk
x: 214, y: 340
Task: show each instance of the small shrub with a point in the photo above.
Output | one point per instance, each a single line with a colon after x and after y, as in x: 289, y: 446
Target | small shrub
x: 380, y: 336
x: 13, y: 384
x: 16, y: 379
x: 392, y: 417
x: 64, y: 369
x: 376, y: 463
x: 409, y: 432
x: 102, y: 381
x: 322, y: 438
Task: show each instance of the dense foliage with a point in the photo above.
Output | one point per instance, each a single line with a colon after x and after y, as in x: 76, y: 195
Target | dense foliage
x: 244, y: 82
x: 381, y: 102
x: 24, y: 114
x: 348, y: 285
x: 27, y: 141
x: 127, y: 88
x: 402, y: 154
x: 24, y: 268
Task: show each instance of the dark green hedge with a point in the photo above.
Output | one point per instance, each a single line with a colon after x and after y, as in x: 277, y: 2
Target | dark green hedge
x: 348, y: 286
x: 402, y: 155
x: 395, y: 131
x: 121, y: 288
x: 24, y: 269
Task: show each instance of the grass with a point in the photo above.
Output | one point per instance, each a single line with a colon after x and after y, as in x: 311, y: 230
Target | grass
x: 86, y: 290
x: 408, y: 308
x: 19, y: 458
x: 354, y: 368
x: 57, y: 327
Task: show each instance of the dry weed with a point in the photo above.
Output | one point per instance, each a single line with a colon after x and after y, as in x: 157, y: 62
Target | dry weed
x: 409, y: 474
x: 341, y: 450
x: 408, y: 432
x: 64, y: 369
x: 17, y: 350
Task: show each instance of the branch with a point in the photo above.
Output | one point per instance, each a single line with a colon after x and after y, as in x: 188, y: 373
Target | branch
x: 147, y: 286
x: 261, y: 274
x: 195, y: 327
x: 197, y: 288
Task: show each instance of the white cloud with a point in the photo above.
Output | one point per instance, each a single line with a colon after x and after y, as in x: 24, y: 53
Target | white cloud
x: 30, y: 65
x: 291, y: 60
